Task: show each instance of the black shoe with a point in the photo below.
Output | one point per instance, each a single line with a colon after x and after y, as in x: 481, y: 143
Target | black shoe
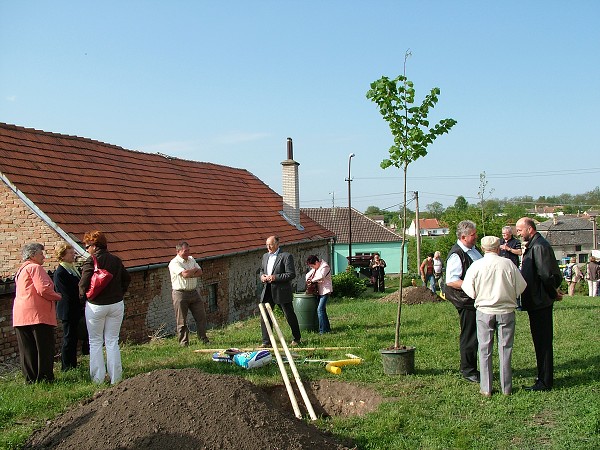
x: 472, y: 378
x: 537, y: 387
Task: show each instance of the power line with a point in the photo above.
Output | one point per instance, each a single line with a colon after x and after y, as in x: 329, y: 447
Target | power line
x: 546, y: 173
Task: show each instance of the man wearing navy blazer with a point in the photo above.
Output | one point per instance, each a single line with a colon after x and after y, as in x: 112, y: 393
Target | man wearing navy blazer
x: 276, y: 273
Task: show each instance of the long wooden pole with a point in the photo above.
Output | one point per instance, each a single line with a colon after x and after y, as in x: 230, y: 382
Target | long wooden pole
x: 282, y: 369
x: 311, y: 411
x: 297, y: 349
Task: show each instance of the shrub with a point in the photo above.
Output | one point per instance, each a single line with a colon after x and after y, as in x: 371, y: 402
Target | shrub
x: 347, y: 284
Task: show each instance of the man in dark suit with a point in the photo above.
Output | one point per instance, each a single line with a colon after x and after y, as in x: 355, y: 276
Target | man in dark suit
x: 276, y: 273
x: 540, y: 270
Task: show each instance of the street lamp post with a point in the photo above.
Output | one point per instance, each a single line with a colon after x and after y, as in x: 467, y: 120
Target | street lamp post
x: 349, y: 180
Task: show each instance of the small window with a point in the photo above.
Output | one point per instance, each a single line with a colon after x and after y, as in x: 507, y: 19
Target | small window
x: 212, y: 297
x: 583, y: 258
x: 578, y: 248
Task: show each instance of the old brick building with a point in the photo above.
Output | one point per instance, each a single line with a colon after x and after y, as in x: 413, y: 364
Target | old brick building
x: 55, y: 188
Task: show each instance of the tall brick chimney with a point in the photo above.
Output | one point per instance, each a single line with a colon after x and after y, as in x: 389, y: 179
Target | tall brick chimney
x: 291, y: 187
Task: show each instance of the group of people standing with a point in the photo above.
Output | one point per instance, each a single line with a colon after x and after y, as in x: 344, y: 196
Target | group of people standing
x: 573, y: 274
x: 39, y: 301
x: 431, y: 270
x: 484, y: 290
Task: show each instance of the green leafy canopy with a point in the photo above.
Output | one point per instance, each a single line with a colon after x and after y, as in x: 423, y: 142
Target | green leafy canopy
x: 408, y: 124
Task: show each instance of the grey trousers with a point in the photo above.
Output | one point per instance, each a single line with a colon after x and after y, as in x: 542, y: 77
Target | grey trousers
x: 182, y: 302
x: 487, y: 326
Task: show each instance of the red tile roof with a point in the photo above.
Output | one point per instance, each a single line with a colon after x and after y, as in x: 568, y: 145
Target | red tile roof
x: 364, y: 229
x: 429, y: 224
x: 144, y: 202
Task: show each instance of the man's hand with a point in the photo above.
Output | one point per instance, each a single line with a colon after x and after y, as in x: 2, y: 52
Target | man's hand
x: 267, y: 278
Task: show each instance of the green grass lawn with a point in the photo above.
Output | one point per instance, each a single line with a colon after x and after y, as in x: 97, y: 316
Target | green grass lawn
x: 432, y: 409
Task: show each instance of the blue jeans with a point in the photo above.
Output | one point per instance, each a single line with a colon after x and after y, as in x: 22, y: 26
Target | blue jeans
x: 430, y: 280
x: 324, y: 326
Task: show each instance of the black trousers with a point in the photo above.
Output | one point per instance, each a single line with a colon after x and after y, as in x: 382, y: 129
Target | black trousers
x: 73, y: 332
x: 36, y: 352
x: 290, y: 316
x: 468, y: 342
x: 69, y: 345
x: 540, y: 324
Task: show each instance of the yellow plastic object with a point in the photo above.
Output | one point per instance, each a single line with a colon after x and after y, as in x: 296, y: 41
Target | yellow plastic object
x: 335, y: 367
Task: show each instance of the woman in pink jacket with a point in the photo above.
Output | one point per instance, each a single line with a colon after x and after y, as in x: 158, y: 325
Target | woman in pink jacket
x: 320, y: 274
x: 34, y: 316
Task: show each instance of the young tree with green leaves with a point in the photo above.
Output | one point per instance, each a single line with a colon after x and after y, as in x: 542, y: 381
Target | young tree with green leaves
x: 412, y: 135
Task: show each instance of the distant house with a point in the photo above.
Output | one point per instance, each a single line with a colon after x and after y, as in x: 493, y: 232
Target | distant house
x: 368, y: 237
x: 378, y: 219
x: 55, y: 187
x: 570, y: 236
x: 546, y: 211
x: 427, y: 227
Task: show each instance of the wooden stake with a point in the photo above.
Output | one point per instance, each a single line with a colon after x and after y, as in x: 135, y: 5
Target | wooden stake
x: 311, y: 411
x: 282, y: 369
x: 296, y: 349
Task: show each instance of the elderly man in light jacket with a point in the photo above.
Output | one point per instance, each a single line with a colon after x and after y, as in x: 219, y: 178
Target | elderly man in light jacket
x: 495, y: 283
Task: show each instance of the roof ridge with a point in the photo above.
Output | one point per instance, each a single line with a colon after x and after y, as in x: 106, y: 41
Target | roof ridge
x: 73, y: 137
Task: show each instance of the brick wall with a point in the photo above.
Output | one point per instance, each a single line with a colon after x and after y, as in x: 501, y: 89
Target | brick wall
x: 19, y: 225
x: 148, y: 306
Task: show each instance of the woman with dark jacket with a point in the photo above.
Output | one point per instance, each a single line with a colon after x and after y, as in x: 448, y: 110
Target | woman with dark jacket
x: 593, y: 275
x: 104, y: 314
x: 69, y: 309
x: 377, y: 266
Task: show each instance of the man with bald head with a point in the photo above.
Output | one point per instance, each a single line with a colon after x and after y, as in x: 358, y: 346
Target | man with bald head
x: 276, y: 273
x: 542, y: 274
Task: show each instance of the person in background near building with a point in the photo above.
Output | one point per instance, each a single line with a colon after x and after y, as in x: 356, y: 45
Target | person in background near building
x: 276, y: 273
x: 438, y: 269
x: 593, y: 275
x: 377, y: 266
x: 426, y: 271
x: 34, y: 316
x: 185, y: 271
x: 494, y: 283
x: 69, y: 309
x: 510, y: 248
x: 461, y: 256
x: 320, y: 274
x: 104, y: 313
x: 543, y: 277
x: 572, y: 275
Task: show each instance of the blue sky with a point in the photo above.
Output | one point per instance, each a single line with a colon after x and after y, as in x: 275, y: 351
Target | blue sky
x: 228, y: 82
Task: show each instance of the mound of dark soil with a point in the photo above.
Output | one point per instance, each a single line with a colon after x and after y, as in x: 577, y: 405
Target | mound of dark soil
x: 189, y: 409
x: 413, y: 295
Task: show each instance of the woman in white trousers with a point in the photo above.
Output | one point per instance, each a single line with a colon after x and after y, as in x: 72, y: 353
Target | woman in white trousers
x: 104, y: 310
x: 104, y: 324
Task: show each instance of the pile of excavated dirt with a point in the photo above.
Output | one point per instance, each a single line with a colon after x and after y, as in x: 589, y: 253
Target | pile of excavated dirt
x: 189, y: 409
x: 413, y: 295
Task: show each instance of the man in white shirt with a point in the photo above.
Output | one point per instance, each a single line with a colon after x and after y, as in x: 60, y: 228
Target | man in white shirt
x: 461, y: 256
x: 185, y: 272
x: 495, y: 283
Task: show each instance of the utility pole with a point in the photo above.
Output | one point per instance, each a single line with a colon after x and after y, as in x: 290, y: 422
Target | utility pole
x: 417, y: 230
x: 349, y: 180
x: 594, y: 233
